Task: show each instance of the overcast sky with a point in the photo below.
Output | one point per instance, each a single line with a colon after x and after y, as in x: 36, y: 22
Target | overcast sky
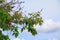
x: 50, y: 30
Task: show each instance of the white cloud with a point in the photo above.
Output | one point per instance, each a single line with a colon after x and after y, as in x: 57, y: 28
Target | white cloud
x: 18, y: 39
x: 53, y: 39
x: 48, y: 26
x: 22, y: 39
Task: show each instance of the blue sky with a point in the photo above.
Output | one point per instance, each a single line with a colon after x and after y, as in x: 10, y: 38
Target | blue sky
x: 50, y: 30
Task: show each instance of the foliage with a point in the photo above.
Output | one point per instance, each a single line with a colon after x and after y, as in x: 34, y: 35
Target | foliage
x: 6, y: 20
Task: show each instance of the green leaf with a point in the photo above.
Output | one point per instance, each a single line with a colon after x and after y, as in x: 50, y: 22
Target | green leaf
x: 32, y: 30
x: 22, y: 29
x: 15, y: 31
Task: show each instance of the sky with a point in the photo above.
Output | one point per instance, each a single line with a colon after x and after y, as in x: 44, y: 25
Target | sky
x: 50, y: 30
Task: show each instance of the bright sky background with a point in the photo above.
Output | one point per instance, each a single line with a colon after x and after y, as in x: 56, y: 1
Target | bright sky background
x: 50, y: 30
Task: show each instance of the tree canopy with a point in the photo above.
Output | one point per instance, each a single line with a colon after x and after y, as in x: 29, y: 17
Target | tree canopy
x: 6, y: 19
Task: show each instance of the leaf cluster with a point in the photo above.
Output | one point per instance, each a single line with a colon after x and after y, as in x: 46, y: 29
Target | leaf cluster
x: 6, y: 20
